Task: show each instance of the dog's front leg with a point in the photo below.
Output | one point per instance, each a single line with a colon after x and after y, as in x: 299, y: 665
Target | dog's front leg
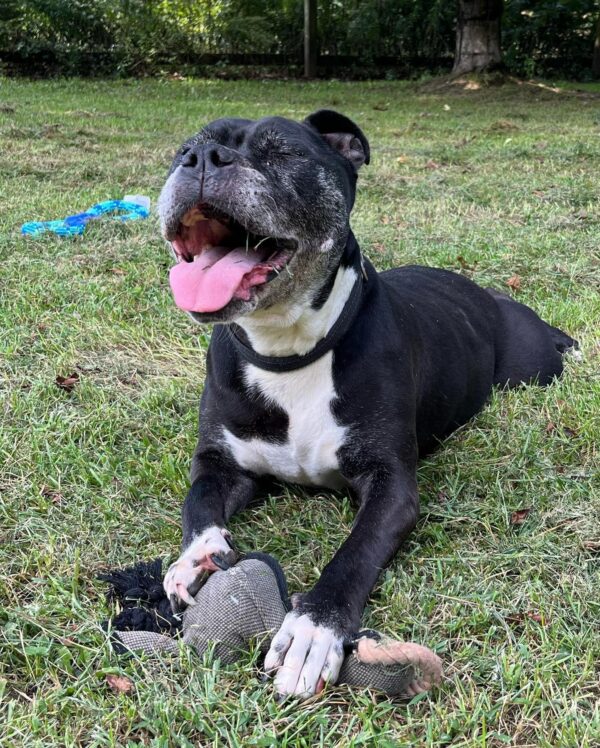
x: 219, y: 489
x: 308, y: 650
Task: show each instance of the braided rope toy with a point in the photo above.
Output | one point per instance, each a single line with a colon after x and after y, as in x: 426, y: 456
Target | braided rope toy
x: 138, y: 206
x: 244, y: 604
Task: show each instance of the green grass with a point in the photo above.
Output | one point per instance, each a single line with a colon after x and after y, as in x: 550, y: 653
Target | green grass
x: 505, y: 178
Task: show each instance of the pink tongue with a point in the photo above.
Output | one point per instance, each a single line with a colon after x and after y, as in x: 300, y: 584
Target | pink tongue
x: 208, y: 284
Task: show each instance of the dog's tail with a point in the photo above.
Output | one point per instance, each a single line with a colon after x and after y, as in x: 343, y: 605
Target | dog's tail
x: 562, y: 342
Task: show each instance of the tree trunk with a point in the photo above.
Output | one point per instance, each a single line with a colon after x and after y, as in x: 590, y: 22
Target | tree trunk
x: 478, y: 36
x: 596, y: 57
x: 311, y: 49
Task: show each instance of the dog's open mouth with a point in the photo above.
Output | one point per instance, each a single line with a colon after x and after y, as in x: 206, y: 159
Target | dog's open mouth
x: 219, y: 260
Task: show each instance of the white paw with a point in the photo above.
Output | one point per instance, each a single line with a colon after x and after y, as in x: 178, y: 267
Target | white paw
x: 305, y: 656
x: 205, y: 554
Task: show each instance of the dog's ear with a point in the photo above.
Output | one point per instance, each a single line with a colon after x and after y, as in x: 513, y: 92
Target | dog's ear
x: 342, y: 135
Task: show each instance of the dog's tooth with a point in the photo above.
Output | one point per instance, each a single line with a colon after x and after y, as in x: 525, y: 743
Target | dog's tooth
x: 204, y: 248
x: 192, y: 217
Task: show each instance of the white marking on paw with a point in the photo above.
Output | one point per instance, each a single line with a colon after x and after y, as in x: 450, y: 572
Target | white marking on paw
x: 194, y: 561
x: 305, y: 656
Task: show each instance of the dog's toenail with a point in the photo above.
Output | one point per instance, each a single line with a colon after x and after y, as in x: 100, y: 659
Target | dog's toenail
x: 221, y: 562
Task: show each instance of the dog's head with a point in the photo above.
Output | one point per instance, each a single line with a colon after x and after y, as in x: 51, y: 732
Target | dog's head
x: 257, y: 212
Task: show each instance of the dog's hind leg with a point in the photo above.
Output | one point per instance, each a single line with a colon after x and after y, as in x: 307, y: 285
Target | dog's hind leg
x: 527, y: 348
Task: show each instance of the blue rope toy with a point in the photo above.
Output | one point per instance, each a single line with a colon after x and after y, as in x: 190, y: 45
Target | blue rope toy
x: 125, y: 210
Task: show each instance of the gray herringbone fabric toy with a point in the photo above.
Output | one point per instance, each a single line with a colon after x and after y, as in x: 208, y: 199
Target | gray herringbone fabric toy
x: 248, y: 602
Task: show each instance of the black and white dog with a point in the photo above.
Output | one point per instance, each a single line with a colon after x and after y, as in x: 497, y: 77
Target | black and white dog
x: 321, y: 371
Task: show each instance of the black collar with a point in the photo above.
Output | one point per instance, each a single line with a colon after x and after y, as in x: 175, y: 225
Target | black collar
x: 326, y: 344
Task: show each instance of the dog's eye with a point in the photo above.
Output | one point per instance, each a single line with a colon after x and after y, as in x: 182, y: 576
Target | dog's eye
x: 291, y: 152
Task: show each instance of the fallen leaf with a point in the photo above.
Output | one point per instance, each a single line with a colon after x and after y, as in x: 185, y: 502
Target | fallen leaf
x: 55, y: 496
x: 550, y: 427
x: 117, y: 271
x: 464, y: 264
x: 67, y: 383
x: 379, y: 247
x: 119, y: 683
x: 539, y: 193
x: 519, y: 517
x: 532, y: 615
x: 503, y: 125
x: 514, y: 282
x: 381, y: 107
x: 431, y: 164
x: 571, y: 433
x: 402, y: 159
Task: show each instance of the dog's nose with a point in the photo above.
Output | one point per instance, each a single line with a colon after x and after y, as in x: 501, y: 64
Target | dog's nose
x: 208, y: 157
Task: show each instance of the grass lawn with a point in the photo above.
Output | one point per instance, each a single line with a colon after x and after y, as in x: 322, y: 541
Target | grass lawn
x: 492, y: 184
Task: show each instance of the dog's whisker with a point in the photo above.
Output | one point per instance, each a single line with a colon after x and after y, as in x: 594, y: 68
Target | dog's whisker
x: 264, y: 239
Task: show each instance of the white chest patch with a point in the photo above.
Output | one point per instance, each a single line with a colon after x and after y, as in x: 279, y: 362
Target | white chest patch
x: 309, y: 456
